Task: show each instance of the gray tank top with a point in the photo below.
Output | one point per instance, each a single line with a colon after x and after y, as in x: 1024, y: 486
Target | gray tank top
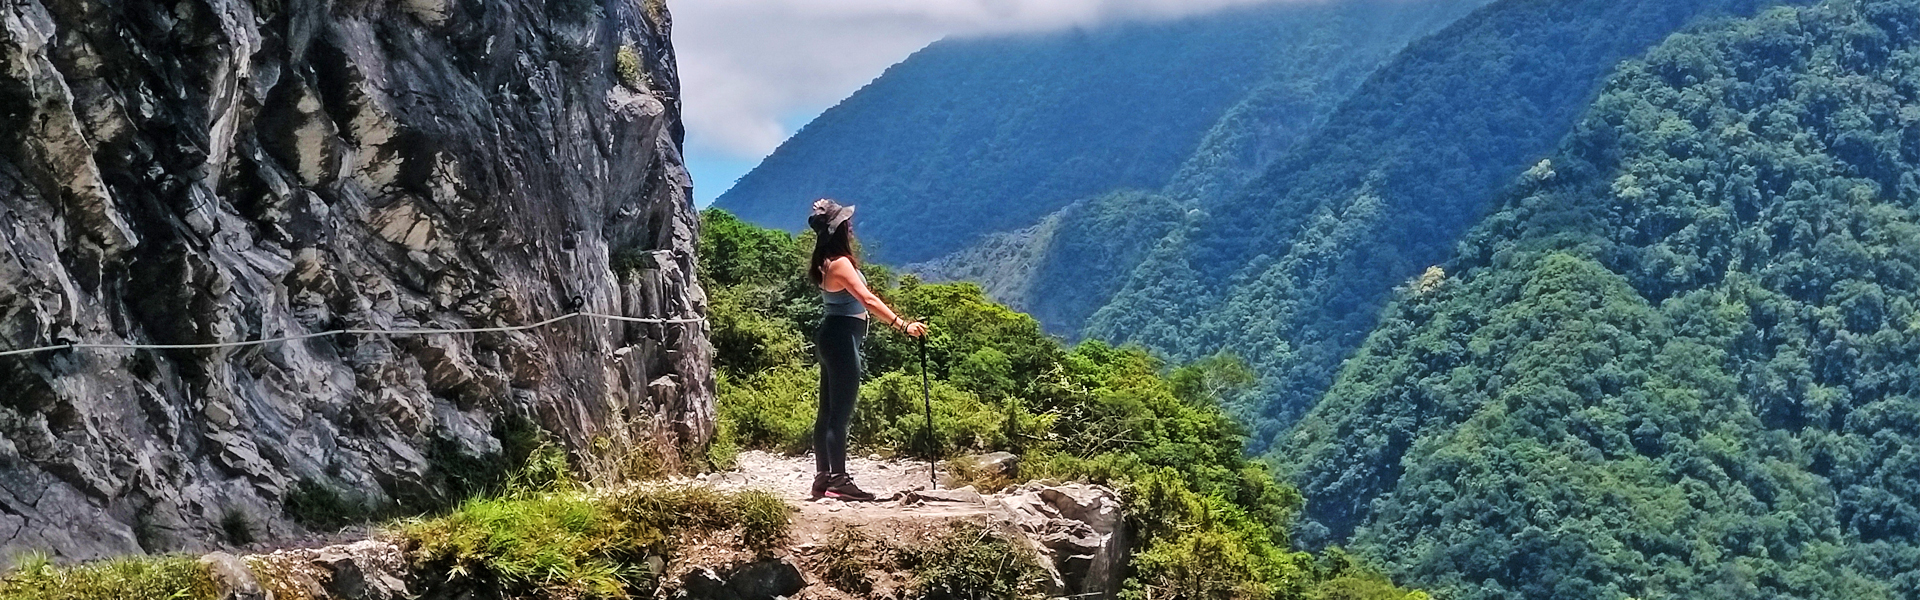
x: 842, y: 303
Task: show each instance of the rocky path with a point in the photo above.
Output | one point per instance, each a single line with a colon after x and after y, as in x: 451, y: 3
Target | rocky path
x: 1074, y: 529
x: 907, y: 491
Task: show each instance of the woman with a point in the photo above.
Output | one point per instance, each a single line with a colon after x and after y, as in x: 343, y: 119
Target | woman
x: 848, y: 302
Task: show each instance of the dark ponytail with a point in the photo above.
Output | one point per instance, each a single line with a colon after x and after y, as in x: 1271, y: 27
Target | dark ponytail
x: 829, y: 245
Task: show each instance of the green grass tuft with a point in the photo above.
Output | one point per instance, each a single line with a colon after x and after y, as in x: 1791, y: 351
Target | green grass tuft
x: 577, y: 544
x: 319, y: 506
x: 763, y: 519
x: 140, y: 578
x: 556, y: 544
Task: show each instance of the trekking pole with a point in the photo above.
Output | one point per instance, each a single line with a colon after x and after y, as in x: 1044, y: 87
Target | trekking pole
x: 926, y: 396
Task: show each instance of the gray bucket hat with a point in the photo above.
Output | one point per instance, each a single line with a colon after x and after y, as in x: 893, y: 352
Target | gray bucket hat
x: 829, y: 216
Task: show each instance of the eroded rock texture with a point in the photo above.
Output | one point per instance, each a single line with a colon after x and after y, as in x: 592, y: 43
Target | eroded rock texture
x: 200, y: 171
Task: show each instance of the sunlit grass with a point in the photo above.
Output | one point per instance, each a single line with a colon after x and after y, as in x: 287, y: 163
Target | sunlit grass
x: 137, y: 578
x: 581, y: 544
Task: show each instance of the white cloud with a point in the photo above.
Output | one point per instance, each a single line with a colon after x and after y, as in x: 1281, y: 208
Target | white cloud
x: 745, y: 65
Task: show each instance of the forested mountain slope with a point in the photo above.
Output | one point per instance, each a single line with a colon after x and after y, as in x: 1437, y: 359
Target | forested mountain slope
x: 971, y: 137
x: 1292, y: 271
x: 1680, y: 359
x: 1072, y: 263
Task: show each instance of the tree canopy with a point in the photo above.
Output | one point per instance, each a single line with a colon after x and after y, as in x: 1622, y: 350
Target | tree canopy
x: 1679, y: 359
x: 1293, y: 270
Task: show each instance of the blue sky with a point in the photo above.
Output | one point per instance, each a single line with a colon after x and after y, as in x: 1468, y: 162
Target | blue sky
x: 753, y: 71
x: 715, y: 168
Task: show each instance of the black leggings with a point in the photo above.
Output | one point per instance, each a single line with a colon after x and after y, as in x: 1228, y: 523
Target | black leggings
x: 838, y: 342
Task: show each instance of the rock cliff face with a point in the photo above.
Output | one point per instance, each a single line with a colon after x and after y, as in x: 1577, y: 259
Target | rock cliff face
x: 209, y: 171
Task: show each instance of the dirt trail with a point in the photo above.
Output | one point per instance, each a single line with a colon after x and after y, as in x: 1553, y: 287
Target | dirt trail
x: 789, y: 477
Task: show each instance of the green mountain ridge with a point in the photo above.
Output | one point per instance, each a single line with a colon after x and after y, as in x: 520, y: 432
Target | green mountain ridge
x: 1292, y: 272
x: 971, y: 137
x: 1679, y: 359
x: 1069, y: 265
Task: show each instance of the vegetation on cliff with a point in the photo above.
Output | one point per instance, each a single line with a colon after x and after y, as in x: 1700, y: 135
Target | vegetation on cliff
x: 1678, y: 360
x: 1205, y: 521
x: 541, y: 534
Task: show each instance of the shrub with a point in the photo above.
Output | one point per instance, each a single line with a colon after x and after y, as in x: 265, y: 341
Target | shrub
x: 236, y: 527
x: 773, y: 410
x: 745, y: 340
x: 762, y: 518
x: 893, y: 416
x: 971, y: 561
x: 317, y: 505
x: 626, y: 64
x: 967, y: 561
x: 851, y: 555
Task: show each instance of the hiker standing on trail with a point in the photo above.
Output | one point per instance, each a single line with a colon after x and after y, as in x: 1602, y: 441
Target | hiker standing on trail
x: 848, y: 300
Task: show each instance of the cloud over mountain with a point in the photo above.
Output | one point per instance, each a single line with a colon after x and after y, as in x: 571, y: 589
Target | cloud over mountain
x: 748, y: 65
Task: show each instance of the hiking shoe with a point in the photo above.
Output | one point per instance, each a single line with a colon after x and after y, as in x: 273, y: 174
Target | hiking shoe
x: 820, y: 483
x: 840, y: 487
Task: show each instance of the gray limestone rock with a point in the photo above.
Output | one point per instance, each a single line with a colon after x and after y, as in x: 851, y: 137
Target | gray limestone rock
x: 364, y: 570
x: 231, y: 170
x: 1078, y: 530
x: 965, y: 495
x: 1003, y: 464
x: 232, y: 579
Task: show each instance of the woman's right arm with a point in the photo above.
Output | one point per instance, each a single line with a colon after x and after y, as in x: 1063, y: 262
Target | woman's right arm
x: 842, y: 273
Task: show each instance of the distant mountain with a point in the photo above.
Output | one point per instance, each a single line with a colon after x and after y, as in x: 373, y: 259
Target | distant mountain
x: 972, y: 137
x: 1069, y: 265
x: 1682, y: 357
x: 1292, y: 270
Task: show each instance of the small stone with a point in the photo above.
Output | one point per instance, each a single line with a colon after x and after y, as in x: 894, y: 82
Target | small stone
x: 762, y: 580
x: 702, y: 583
x: 232, y: 579
x: 965, y: 495
x: 1003, y: 464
